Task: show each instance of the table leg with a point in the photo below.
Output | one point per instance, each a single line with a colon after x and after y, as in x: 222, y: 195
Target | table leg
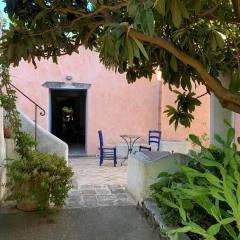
x: 134, y: 141
x: 128, y: 151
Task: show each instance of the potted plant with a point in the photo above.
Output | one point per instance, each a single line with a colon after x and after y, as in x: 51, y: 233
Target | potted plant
x: 8, y: 131
x: 37, y: 180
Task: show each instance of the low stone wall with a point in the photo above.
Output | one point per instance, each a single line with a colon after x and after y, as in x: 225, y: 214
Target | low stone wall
x: 47, y: 142
x: 144, y: 168
x: 152, y: 213
x: 176, y: 146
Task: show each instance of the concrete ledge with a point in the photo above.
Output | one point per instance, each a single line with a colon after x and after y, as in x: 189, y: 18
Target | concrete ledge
x: 143, y: 172
x: 47, y: 142
x: 11, y: 149
x: 3, y: 180
x: 64, y: 85
x: 153, y: 214
x: 176, y: 146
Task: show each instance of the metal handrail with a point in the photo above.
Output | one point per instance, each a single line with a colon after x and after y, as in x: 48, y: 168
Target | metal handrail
x: 42, y: 113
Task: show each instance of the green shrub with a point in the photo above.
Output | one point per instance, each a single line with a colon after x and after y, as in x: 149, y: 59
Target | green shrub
x: 203, y: 198
x: 25, y: 144
x: 40, y: 177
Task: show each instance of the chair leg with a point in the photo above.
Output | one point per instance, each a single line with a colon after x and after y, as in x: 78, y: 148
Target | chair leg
x: 115, y: 158
x: 101, y: 161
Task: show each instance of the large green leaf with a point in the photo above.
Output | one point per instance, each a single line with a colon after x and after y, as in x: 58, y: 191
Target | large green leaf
x: 235, y: 82
x: 214, y: 229
x: 176, y: 13
x: 160, y: 5
x: 141, y: 47
x: 173, y: 63
x: 195, y: 139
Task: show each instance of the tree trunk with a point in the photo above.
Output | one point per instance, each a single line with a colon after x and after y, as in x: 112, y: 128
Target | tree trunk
x: 218, y: 114
x: 227, y: 98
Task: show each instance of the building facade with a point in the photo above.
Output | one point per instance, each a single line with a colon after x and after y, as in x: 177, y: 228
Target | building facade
x: 81, y: 97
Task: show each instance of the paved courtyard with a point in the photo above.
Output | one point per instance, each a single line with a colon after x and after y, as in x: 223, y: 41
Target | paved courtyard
x: 98, y: 208
x: 104, y: 223
x: 95, y: 186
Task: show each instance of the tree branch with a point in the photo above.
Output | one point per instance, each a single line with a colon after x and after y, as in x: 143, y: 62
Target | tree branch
x: 227, y: 99
x: 209, y: 11
x: 102, y: 10
x: 236, y: 7
x: 94, y: 28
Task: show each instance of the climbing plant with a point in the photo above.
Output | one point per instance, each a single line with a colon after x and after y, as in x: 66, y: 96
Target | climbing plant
x: 24, y: 142
x: 193, y: 42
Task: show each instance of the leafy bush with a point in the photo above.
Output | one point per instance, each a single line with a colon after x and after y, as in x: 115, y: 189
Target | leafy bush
x: 203, y: 198
x: 24, y: 144
x: 40, y: 177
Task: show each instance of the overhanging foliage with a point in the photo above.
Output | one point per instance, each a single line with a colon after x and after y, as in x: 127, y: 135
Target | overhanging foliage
x: 193, y: 41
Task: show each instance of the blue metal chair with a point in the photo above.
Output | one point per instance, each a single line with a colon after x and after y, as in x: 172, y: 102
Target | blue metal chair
x: 106, y: 153
x: 154, y: 137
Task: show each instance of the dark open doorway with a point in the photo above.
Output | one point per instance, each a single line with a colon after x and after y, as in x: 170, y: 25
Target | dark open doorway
x: 69, y: 118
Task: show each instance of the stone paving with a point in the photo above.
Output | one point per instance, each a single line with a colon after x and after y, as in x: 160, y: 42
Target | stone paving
x: 95, y: 186
x: 98, y: 208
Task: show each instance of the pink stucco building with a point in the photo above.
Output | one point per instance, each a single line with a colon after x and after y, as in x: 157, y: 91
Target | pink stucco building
x: 81, y: 90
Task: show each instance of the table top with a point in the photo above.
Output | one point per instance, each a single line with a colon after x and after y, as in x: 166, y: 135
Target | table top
x: 130, y: 136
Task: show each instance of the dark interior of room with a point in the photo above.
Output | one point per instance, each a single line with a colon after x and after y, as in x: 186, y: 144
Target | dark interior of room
x: 69, y: 118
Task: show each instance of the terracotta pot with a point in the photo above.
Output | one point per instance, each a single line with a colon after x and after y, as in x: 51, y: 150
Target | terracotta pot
x: 8, y: 132
x: 28, y: 205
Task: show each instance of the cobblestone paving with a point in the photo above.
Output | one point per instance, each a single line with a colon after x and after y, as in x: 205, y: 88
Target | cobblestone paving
x: 95, y: 186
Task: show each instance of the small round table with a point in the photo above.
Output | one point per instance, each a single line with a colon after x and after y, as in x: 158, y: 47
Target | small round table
x: 130, y: 141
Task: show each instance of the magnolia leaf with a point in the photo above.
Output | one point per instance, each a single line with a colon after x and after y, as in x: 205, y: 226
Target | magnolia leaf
x: 136, y: 52
x: 173, y: 63
x: 141, y: 47
x: 219, y: 39
x: 176, y: 13
x: 213, y: 42
x: 198, y: 5
x: 235, y: 82
x: 183, y: 10
x: 160, y: 6
x: 129, y: 51
x: 195, y: 139
x: 149, y: 19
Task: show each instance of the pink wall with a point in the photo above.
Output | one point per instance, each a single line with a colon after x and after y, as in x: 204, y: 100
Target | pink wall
x: 113, y: 105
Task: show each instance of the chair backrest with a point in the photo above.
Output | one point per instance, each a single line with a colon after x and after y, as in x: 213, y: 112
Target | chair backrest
x: 154, y: 137
x: 100, y: 135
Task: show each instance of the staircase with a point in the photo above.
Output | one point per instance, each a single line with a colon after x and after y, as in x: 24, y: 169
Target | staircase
x: 46, y: 142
